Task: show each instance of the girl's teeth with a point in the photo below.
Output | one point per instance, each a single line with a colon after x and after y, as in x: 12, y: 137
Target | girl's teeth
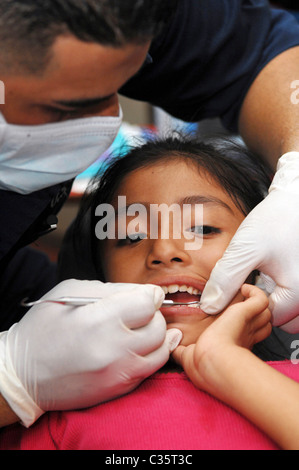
x: 192, y: 290
x: 173, y: 288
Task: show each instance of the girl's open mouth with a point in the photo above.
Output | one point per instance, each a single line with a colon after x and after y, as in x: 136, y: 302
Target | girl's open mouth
x: 182, y: 294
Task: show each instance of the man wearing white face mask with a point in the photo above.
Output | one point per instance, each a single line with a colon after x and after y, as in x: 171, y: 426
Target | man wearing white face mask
x: 63, y: 63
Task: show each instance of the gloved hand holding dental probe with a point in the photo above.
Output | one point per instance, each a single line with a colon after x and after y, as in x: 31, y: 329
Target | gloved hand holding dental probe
x: 267, y: 240
x: 62, y: 357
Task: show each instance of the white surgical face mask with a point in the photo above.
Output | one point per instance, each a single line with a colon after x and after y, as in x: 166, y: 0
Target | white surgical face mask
x: 36, y: 157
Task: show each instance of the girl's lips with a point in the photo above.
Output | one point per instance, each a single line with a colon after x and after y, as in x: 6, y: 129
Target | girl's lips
x: 173, y: 314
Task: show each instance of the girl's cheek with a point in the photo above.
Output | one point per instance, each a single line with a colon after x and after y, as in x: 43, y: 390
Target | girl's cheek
x: 206, y: 258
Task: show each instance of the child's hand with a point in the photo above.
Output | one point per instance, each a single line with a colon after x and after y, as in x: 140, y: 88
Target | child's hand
x: 241, y: 325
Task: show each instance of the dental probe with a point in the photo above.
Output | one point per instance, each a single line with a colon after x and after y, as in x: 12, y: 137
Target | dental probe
x: 81, y: 301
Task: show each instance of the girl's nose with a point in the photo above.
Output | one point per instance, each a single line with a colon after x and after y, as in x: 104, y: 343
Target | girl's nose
x: 167, y: 253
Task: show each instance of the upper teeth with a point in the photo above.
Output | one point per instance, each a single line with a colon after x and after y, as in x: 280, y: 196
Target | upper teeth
x: 171, y: 289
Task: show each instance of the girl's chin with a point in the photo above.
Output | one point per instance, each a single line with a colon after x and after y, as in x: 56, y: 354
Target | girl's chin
x: 191, y: 330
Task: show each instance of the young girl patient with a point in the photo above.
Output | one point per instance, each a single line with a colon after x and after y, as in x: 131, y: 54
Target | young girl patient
x: 212, y: 187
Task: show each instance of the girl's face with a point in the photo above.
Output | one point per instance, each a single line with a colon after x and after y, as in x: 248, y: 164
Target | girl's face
x: 168, y: 261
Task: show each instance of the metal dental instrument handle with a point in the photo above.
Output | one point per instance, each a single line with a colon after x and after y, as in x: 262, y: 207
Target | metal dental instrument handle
x: 74, y: 301
x: 81, y: 301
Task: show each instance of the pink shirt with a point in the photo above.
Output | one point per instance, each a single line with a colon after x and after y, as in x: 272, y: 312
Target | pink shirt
x: 166, y: 412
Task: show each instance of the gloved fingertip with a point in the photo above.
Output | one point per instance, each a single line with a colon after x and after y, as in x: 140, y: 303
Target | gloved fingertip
x: 212, y: 299
x: 159, y: 297
x: 284, y: 310
x: 173, y: 337
x: 210, y: 309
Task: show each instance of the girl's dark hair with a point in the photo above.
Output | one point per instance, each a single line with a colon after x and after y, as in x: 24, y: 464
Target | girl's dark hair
x: 238, y: 171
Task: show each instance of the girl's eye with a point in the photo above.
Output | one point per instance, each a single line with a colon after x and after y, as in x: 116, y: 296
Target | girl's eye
x: 133, y: 238
x: 204, y: 230
x: 136, y: 237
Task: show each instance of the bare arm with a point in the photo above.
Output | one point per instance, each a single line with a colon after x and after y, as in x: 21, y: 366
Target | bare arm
x: 222, y: 364
x: 263, y: 395
x: 269, y: 120
x: 7, y: 416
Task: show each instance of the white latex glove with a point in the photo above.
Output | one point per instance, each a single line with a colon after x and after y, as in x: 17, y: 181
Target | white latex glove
x: 61, y: 357
x: 268, y: 240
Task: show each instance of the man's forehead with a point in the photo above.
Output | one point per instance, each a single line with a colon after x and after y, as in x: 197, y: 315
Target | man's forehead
x: 80, y: 76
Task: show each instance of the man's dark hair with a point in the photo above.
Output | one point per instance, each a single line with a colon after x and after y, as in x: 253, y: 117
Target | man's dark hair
x: 28, y: 28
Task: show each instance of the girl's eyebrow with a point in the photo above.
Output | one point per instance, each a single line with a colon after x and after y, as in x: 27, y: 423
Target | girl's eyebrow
x: 192, y: 200
x: 200, y: 199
